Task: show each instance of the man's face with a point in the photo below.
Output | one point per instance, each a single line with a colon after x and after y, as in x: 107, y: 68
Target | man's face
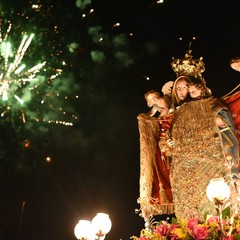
x: 163, y: 107
x: 182, y: 89
x: 194, y: 91
x: 151, y: 99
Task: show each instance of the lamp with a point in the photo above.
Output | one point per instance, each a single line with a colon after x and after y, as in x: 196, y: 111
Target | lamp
x: 218, y: 192
x: 83, y: 230
x: 101, y: 225
x: 94, y: 230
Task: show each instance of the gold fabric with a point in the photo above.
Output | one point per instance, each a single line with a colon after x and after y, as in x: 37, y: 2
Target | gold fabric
x: 197, y: 157
x: 149, y: 138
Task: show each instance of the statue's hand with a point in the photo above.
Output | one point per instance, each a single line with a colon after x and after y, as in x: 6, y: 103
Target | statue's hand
x: 167, y: 88
x: 171, y: 143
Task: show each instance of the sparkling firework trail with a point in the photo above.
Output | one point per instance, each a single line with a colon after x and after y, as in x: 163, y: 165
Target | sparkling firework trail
x: 18, y: 81
x: 13, y: 75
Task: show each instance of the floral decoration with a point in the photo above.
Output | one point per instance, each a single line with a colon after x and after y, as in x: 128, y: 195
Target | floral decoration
x: 192, y: 229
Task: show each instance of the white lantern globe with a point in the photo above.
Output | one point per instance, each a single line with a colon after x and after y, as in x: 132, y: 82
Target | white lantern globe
x: 218, y: 189
x: 83, y: 230
x: 101, y: 224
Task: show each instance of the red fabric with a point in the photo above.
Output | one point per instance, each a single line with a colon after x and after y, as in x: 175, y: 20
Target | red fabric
x: 233, y: 103
x: 161, y: 176
x: 161, y: 173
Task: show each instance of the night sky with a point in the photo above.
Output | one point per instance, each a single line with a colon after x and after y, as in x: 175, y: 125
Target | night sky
x: 95, y: 163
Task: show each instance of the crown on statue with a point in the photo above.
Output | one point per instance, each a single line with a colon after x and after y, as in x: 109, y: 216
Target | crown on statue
x: 188, y: 66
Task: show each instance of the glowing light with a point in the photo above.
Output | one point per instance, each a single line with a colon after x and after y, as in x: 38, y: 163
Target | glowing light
x: 18, y: 70
x: 23, y: 116
x: 19, y: 99
x: 35, y: 6
x: 26, y: 143
x: 48, y: 159
x: 58, y: 70
x: 218, y: 189
x: 146, y: 78
x: 116, y: 25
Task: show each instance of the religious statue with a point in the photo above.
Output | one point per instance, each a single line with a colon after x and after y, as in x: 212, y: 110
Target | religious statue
x: 200, y: 143
x: 155, y: 190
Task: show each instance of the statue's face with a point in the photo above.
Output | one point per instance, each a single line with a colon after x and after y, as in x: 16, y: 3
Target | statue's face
x: 151, y: 99
x: 236, y: 65
x: 182, y: 89
x: 194, y: 91
x: 163, y: 107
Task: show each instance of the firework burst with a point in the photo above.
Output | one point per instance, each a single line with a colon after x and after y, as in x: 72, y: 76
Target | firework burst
x: 21, y: 80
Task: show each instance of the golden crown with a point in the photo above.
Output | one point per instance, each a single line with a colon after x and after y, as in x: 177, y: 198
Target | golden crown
x: 188, y: 65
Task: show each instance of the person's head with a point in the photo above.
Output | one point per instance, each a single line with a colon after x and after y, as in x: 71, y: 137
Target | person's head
x: 164, y: 105
x: 197, y: 89
x: 180, y: 89
x: 235, y: 63
x: 161, y: 103
x: 151, y: 97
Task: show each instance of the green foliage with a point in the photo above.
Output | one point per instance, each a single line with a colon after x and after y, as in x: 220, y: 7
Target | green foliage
x: 237, y: 237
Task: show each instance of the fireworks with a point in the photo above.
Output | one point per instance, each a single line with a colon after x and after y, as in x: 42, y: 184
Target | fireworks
x: 25, y: 90
x: 13, y: 76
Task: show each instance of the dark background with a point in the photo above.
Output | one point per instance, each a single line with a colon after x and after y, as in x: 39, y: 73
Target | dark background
x: 95, y: 163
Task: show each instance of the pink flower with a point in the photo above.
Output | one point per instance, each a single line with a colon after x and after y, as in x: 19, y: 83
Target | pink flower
x: 213, y: 219
x: 161, y: 230
x: 143, y: 238
x: 200, y: 232
x: 192, y: 223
